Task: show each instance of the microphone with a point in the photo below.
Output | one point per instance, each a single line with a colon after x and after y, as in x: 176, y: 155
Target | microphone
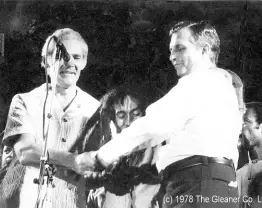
x: 65, y: 55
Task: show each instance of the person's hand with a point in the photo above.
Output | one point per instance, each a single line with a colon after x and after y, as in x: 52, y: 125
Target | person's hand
x: 96, y: 197
x: 94, y: 175
x: 84, y: 162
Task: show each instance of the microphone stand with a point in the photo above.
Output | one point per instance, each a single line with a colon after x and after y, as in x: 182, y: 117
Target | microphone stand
x: 45, y: 179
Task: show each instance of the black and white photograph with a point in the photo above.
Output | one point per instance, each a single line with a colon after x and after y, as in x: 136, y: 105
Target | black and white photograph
x: 130, y: 104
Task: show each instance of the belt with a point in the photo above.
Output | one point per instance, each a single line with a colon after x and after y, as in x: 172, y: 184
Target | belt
x: 194, y: 161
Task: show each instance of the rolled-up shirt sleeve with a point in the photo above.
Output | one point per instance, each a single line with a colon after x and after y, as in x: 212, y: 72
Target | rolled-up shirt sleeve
x: 18, y: 121
x: 162, y: 119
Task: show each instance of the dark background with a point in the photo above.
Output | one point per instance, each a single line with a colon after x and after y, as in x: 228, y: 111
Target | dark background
x: 128, y: 42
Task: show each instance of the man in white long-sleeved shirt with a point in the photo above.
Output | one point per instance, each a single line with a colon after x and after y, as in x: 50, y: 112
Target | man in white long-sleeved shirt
x: 199, y: 118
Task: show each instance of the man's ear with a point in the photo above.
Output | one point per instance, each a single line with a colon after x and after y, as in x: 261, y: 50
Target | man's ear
x: 83, y: 65
x: 206, y: 49
x: 260, y: 128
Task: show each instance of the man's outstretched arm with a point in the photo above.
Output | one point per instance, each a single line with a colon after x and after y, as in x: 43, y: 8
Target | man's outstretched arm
x: 162, y: 119
x: 29, y: 151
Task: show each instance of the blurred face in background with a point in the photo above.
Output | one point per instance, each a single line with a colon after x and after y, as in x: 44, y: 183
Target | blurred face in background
x: 252, y: 130
x: 7, y: 156
x: 127, y: 112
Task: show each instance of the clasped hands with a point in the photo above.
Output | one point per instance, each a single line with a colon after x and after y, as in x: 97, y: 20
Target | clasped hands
x: 87, y: 164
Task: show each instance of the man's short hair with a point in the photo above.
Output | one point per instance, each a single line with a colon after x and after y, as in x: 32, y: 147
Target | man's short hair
x: 256, y: 108
x: 203, y: 33
x: 63, y: 34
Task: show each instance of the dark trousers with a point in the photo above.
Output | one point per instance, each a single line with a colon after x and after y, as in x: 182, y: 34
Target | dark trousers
x: 199, y: 182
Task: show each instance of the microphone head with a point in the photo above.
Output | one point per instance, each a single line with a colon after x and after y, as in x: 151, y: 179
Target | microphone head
x: 56, y: 39
x: 65, y: 55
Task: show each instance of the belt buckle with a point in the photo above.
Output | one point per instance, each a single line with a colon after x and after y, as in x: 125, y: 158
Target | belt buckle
x: 204, y: 160
x: 254, y: 161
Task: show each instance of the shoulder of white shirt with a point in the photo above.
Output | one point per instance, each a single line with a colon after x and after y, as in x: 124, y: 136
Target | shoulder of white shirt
x: 40, y: 92
x: 88, y: 98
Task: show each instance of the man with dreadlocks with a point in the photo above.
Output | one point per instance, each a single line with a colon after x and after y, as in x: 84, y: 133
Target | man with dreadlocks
x: 133, y: 181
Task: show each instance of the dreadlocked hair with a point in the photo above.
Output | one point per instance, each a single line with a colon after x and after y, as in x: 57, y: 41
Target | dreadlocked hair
x: 109, y: 100
x: 97, y: 130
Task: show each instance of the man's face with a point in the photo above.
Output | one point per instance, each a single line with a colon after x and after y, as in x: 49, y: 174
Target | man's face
x: 127, y: 112
x: 7, y: 156
x: 69, y: 73
x: 184, y: 52
x: 251, y: 129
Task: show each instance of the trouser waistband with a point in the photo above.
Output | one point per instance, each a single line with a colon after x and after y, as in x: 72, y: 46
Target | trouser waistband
x: 194, y: 161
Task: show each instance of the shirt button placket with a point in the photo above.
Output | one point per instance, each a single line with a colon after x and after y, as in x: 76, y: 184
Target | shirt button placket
x: 64, y: 120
